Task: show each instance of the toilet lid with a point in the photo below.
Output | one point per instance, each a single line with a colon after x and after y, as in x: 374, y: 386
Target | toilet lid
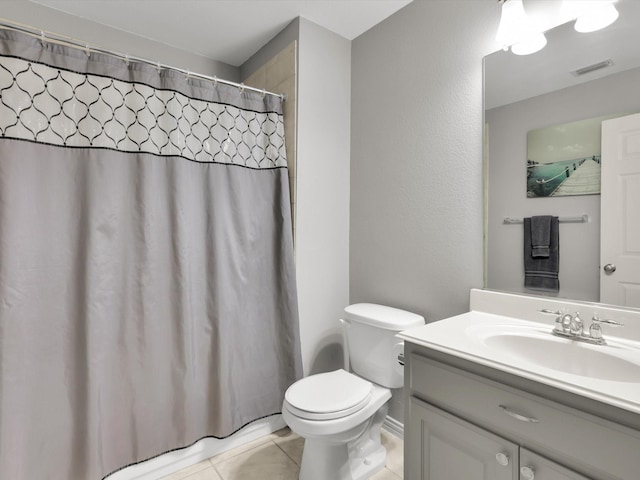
x: 326, y: 396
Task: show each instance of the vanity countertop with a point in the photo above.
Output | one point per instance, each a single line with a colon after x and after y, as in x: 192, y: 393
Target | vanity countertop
x: 605, y: 373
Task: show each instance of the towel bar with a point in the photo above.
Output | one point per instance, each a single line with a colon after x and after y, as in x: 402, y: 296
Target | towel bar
x: 584, y: 218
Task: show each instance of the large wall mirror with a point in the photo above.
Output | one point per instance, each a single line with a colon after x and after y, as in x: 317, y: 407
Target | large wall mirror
x: 526, y: 93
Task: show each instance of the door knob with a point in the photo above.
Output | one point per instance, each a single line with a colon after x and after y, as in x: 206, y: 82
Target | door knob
x: 609, y: 268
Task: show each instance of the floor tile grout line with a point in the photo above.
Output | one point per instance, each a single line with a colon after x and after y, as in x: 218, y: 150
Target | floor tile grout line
x: 241, y: 451
x: 218, y: 472
x: 283, y: 451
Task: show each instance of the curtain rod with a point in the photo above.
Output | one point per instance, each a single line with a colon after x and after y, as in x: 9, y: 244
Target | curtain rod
x: 68, y: 41
x: 584, y: 218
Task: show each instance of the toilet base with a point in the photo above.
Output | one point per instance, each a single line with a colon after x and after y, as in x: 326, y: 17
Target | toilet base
x: 332, y: 461
x: 358, y: 459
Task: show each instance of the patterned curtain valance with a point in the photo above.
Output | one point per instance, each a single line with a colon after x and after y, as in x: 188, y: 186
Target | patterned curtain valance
x: 54, y: 106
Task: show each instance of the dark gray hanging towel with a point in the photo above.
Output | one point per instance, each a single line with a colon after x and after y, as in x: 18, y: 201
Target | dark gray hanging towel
x: 540, y: 272
x: 541, y: 236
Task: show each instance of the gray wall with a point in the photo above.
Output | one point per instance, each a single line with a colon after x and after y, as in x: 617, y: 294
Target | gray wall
x: 416, y: 158
x: 322, y: 202
x: 54, y: 21
x: 579, y: 243
x: 416, y: 162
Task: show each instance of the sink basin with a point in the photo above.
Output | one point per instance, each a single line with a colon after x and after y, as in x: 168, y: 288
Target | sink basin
x: 527, y: 349
x: 541, y: 348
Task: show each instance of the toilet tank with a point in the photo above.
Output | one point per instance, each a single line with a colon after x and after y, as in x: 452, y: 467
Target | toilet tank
x: 373, y: 348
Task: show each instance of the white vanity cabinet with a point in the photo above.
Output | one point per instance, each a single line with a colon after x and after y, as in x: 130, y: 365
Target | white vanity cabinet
x: 464, y: 422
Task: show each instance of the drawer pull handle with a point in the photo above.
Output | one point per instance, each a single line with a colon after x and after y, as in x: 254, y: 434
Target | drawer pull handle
x: 517, y: 416
x: 502, y: 459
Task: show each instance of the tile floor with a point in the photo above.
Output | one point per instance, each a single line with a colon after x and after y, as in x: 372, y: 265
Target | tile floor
x: 277, y: 457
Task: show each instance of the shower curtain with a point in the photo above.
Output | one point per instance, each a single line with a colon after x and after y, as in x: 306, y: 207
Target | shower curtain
x: 147, y: 287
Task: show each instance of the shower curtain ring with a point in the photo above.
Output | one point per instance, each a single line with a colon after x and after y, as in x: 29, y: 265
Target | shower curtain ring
x: 241, y: 87
x: 264, y: 92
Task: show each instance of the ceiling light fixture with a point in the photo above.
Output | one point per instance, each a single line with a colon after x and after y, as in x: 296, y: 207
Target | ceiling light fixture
x: 517, y: 31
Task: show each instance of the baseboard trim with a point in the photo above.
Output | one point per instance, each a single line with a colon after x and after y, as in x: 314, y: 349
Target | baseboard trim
x: 208, y: 447
x: 394, y: 426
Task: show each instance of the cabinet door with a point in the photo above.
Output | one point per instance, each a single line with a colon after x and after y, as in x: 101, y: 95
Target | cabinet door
x: 440, y: 446
x: 535, y: 467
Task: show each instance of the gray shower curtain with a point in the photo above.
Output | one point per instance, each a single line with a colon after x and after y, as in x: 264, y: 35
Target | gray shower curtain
x: 147, y: 286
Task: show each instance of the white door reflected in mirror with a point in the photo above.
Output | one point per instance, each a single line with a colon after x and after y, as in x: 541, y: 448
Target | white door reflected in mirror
x: 620, y: 206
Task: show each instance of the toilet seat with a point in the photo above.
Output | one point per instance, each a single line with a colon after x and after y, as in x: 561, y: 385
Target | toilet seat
x: 328, y: 396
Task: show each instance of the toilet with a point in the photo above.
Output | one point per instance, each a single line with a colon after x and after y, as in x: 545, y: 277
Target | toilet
x: 340, y: 413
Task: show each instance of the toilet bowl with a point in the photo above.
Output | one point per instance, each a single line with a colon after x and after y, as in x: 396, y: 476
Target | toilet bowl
x: 340, y: 413
x: 342, y: 437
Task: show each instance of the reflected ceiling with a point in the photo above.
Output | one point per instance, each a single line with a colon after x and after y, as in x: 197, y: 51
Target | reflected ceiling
x: 510, y: 78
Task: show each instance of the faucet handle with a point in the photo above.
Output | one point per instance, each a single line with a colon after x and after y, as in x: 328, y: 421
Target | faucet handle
x: 608, y: 321
x: 563, y: 320
x: 595, y: 331
x: 550, y: 312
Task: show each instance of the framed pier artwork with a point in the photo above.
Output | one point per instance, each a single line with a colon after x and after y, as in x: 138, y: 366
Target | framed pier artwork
x: 564, y: 159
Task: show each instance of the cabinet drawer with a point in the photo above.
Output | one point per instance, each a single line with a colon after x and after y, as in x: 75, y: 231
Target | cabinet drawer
x: 591, y: 445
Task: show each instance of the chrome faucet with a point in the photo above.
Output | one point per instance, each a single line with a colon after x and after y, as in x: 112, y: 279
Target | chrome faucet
x: 572, y: 326
x: 576, y: 326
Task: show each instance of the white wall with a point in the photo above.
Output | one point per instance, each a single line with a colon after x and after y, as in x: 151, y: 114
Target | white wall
x: 416, y: 158
x: 322, y: 217
x: 579, y: 243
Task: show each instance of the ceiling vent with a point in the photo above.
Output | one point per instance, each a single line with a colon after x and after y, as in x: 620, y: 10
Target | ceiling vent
x: 592, y: 68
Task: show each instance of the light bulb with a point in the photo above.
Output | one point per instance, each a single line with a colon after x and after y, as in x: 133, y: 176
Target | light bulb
x: 516, y: 30
x: 529, y: 45
x: 597, y: 19
x: 511, y: 22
